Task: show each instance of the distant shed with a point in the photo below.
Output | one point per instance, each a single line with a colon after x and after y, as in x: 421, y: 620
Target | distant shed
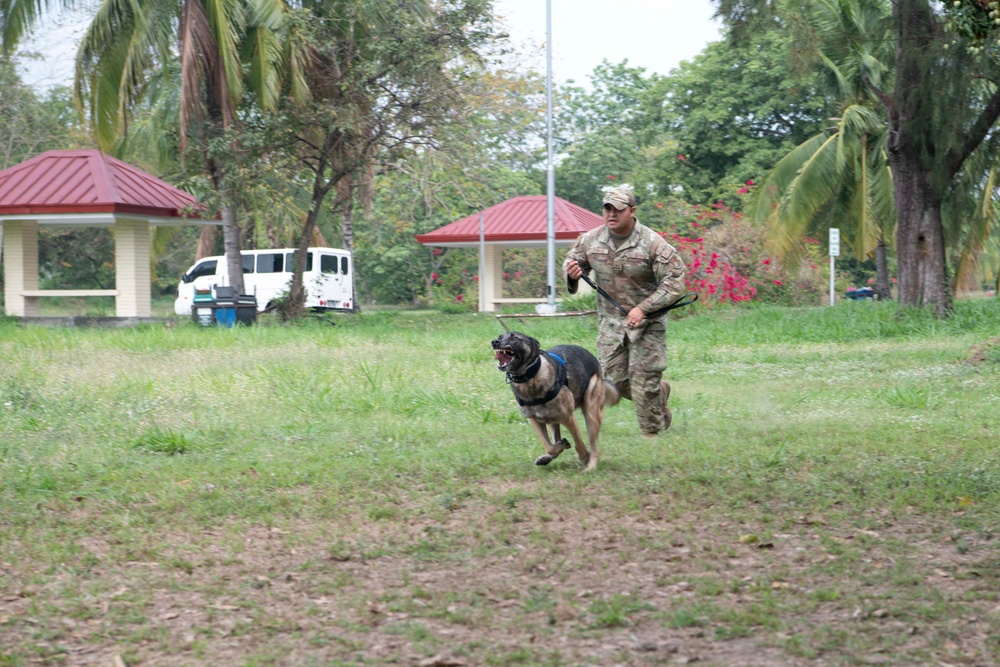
x: 86, y: 188
x: 521, y: 222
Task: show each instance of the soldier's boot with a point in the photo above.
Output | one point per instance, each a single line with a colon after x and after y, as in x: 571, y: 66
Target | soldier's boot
x: 667, y: 415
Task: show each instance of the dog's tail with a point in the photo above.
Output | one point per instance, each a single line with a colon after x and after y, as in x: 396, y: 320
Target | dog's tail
x: 611, y: 395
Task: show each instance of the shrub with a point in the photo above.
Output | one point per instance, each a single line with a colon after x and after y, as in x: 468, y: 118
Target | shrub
x: 728, y: 263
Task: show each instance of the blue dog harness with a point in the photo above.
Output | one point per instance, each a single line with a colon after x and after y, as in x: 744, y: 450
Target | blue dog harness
x: 532, y: 371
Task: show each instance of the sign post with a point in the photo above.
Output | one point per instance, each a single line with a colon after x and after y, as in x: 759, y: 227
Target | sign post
x: 834, y: 252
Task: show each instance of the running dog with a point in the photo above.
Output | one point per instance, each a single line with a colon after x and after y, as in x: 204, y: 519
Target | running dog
x: 550, y: 385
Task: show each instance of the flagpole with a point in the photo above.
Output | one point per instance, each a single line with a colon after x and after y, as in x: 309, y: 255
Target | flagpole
x: 550, y: 175
x: 482, y: 264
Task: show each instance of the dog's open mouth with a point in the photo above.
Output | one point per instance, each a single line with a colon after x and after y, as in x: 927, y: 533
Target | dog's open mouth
x: 504, y: 356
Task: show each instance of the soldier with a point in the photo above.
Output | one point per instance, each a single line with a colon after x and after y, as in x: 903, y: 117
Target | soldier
x: 643, y: 273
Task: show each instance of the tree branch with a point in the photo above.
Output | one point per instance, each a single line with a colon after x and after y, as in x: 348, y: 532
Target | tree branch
x: 974, y: 137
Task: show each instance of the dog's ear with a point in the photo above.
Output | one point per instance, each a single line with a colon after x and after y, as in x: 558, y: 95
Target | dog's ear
x: 535, y: 345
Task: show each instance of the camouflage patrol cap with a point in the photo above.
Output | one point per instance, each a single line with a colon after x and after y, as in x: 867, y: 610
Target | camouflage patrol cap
x: 619, y: 197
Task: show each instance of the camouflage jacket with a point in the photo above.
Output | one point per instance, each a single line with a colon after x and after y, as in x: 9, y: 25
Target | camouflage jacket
x: 644, y: 271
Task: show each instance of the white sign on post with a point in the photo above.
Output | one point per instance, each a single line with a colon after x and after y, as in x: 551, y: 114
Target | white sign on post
x: 834, y: 252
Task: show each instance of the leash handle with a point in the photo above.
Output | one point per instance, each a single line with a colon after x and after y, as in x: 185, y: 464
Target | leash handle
x: 686, y: 300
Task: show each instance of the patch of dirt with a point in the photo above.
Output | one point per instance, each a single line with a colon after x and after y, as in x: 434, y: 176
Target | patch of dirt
x: 980, y: 353
x: 517, y: 584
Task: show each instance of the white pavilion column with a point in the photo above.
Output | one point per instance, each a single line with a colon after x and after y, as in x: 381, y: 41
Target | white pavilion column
x: 20, y: 255
x: 132, y: 277
x: 492, y: 277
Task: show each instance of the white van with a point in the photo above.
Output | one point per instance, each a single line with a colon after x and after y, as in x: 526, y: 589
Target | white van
x: 267, y: 274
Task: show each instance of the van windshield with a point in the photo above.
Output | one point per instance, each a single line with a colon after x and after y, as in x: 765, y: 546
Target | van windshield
x: 206, y: 268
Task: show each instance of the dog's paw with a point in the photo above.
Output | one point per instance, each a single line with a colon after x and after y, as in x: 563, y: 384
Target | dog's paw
x: 565, y: 443
x: 544, y: 460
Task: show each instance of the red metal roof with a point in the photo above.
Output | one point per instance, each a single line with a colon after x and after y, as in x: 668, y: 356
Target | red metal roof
x: 518, y: 219
x: 87, y: 181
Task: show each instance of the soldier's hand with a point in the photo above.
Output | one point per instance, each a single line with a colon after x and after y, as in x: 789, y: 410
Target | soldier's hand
x: 635, y: 317
x: 573, y: 270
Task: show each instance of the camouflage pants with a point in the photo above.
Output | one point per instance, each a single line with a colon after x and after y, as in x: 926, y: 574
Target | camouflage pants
x: 635, y: 369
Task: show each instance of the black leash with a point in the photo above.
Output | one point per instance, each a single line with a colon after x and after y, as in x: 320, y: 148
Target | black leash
x: 687, y: 300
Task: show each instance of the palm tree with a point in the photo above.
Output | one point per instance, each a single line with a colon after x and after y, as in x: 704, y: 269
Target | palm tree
x: 838, y: 178
x: 126, y: 43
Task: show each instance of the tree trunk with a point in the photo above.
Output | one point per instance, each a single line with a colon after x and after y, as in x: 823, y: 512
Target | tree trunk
x: 920, y: 251
x: 883, y: 291
x: 294, y: 306
x: 206, y: 242
x: 231, y: 242
x: 346, y: 191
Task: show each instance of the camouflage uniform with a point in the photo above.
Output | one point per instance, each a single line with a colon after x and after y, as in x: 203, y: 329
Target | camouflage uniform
x: 644, y: 271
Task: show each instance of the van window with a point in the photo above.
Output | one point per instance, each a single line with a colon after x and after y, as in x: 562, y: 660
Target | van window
x: 345, y: 266
x: 290, y: 261
x: 247, y: 263
x: 328, y: 263
x: 206, y: 268
x: 270, y: 262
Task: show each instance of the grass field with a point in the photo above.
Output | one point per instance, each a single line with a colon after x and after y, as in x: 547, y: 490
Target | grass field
x: 364, y: 493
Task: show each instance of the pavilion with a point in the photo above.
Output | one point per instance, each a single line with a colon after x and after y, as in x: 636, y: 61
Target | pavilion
x: 86, y: 188
x: 521, y: 222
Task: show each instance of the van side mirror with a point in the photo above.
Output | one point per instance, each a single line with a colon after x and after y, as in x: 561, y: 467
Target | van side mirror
x: 185, y: 278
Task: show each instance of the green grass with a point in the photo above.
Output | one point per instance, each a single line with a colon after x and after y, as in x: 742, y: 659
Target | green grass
x: 364, y: 492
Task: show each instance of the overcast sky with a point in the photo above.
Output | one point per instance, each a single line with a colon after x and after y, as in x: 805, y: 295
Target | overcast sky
x: 655, y: 34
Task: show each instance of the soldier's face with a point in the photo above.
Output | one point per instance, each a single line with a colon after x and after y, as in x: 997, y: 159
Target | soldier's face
x: 620, y: 223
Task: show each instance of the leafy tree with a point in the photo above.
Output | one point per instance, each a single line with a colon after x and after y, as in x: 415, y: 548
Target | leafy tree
x: 432, y: 189
x: 383, y: 79
x: 611, y: 134
x: 839, y: 178
x: 940, y: 108
x: 30, y: 124
x: 734, y: 110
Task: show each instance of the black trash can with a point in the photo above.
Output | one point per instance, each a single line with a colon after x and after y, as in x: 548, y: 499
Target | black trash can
x: 246, y: 309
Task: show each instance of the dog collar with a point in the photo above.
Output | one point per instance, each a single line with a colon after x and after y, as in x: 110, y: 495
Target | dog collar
x: 529, y: 373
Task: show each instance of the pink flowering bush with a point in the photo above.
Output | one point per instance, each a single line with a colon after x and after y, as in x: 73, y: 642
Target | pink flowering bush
x: 726, y: 258
x: 709, y: 275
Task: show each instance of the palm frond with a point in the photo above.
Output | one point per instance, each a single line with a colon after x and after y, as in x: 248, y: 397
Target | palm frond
x: 227, y: 22
x: 816, y: 183
x: 764, y: 201
x: 977, y: 233
x: 262, y: 50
